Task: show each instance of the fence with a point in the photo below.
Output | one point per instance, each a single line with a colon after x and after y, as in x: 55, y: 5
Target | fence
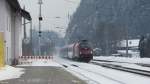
x: 30, y: 59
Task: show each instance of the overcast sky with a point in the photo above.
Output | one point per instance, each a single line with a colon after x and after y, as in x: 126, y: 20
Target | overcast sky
x: 50, y: 10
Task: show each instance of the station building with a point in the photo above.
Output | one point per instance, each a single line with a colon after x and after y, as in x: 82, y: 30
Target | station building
x: 133, y: 46
x: 11, y: 15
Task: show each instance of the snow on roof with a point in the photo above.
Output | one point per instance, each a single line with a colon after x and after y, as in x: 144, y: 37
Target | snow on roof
x: 129, y: 51
x: 96, y: 49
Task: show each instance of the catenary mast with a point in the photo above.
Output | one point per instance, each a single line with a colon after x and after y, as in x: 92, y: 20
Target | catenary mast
x: 40, y: 19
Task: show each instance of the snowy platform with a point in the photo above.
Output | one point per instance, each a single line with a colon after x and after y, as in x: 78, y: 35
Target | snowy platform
x: 45, y: 75
x: 9, y: 72
x: 38, y: 72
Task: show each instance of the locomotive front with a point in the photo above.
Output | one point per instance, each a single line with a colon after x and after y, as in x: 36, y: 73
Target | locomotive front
x: 85, y: 51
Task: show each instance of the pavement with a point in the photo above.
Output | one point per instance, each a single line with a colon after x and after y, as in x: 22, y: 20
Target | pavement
x: 45, y: 75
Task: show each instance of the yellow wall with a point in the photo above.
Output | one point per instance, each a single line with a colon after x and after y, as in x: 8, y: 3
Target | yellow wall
x: 1, y: 49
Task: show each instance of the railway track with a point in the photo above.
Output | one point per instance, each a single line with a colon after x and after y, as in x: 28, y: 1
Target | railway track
x: 89, y: 80
x: 122, y: 68
x: 141, y: 64
x: 95, y: 73
x: 83, y: 71
x: 111, y: 61
x: 144, y: 65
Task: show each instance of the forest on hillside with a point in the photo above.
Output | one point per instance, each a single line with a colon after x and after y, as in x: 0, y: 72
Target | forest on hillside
x: 104, y: 23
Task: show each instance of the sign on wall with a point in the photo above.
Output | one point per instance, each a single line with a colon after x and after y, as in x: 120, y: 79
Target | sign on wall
x: 1, y: 49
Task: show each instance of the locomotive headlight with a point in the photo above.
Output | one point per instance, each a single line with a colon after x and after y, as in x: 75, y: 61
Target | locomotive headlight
x: 80, y: 52
x: 91, y: 52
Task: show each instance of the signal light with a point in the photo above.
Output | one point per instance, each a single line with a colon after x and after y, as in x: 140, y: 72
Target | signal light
x: 40, y: 18
x: 40, y: 32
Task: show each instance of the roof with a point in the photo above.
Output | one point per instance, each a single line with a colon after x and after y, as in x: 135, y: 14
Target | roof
x: 26, y: 14
x: 16, y: 6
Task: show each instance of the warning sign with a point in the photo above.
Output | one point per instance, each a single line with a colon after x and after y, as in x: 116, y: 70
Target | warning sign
x: 1, y: 49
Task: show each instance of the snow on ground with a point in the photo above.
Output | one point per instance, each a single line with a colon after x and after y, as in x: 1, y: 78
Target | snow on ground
x: 94, y: 74
x: 110, y: 76
x: 45, y: 63
x: 9, y: 72
x: 126, y: 62
x: 135, y: 66
x: 123, y: 59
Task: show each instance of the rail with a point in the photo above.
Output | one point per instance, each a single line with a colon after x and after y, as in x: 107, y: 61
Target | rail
x: 122, y: 68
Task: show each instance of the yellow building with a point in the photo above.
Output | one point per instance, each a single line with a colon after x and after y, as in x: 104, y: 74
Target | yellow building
x: 11, y: 15
x: 1, y: 49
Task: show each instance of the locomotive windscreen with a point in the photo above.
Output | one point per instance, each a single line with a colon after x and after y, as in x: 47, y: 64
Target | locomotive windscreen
x: 84, y: 44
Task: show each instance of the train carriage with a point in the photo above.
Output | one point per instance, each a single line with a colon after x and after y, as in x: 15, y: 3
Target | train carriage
x: 80, y: 51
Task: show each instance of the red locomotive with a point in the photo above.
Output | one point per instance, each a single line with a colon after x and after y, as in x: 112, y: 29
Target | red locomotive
x: 80, y: 51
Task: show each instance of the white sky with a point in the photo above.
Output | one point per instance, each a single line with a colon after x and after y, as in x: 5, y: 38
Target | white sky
x: 50, y: 10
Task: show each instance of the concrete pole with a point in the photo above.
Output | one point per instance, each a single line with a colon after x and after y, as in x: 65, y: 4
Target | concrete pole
x: 40, y: 19
x: 31, y: 37
x: 24, y: 26
x: 127, y: 39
